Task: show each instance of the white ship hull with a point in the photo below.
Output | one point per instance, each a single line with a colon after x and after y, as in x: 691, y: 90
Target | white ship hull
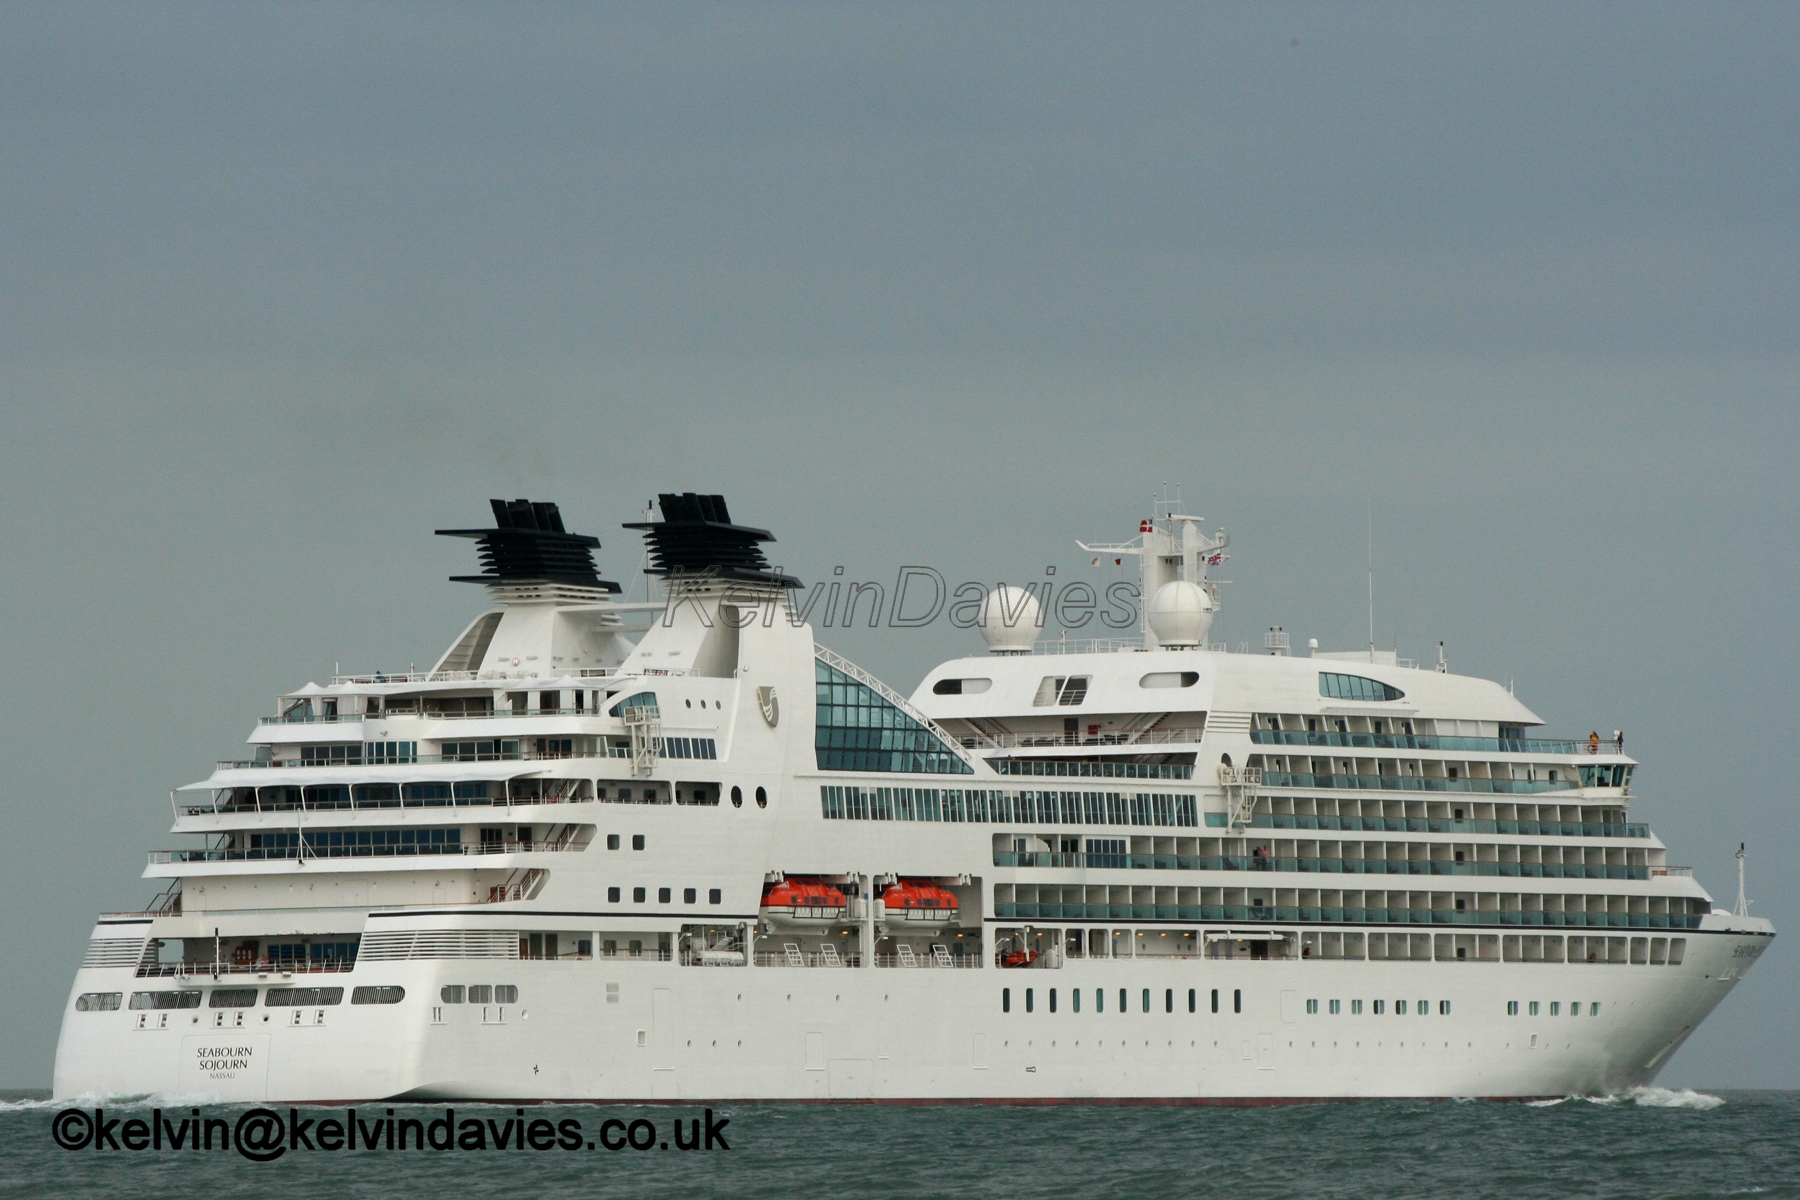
x: 935, y: 1036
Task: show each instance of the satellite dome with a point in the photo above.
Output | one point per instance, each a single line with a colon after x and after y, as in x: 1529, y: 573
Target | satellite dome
x: 1181, y: 613
x: 1009, y: 620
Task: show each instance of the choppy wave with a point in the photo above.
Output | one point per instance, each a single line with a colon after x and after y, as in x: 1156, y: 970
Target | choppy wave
x: 111, y: 1100
x: 1644, y: 1097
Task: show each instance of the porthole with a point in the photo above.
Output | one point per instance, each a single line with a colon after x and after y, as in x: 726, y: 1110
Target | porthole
x: 762, y: 798
x: 737, y: 796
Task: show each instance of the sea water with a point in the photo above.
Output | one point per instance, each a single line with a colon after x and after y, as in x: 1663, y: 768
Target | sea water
x: 1646, y: 1145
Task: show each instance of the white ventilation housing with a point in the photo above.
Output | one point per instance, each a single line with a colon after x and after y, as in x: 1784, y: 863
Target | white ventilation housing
x: 1009, y: 620
x: 1181, y: 613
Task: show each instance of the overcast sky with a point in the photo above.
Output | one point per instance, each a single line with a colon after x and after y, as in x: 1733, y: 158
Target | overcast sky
x: 284, y: 288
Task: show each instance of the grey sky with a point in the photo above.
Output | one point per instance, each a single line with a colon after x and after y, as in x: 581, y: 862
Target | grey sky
x: 286, y: 287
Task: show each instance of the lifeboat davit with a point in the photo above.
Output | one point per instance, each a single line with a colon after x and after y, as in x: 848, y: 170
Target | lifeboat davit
x: 799, y: 903
x: 918, y: 903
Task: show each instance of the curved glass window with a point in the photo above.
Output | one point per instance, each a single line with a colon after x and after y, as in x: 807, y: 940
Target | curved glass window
x: 1355, y: 687
x: 859, y: 730
x: 637, y: 700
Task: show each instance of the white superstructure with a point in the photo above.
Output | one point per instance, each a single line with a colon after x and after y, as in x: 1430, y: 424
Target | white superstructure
x: 617, y: 851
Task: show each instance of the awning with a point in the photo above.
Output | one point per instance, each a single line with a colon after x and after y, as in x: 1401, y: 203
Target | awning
x: 235, y: 777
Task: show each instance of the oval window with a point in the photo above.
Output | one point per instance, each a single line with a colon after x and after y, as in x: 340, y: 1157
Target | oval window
x: 762, y: 798
x: 737, y: 796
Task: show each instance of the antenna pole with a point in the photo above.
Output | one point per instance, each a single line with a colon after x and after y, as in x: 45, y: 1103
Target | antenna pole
x: 1743, y: 905
x: 1371, y: 562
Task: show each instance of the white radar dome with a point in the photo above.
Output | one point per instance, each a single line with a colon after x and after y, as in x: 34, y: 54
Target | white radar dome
x: 1009, y: 620
x: 1181, y: 613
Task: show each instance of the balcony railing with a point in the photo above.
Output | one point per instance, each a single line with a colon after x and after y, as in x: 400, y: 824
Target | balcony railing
x: 314, y: 804
x: 1431, y: 741
x: 1342, y: 916
x: 1417, y: 783
x: 1448, y: 825
x: 1322, y: 866
x: 432, y: 715
x: 289, y: 853
x: 407, y: 760
x: 259, y: 967
x: 1141, y: 737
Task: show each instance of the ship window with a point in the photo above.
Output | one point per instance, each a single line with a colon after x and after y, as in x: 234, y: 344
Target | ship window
x: 1192, y: 997
x: 961, y: 687
x: 1355, y: 687
x: 98, y: 1001
x: 1075, y: 999
x: 688, y: 895
x: 1312, y: 1008
x: 1512, y: 1007
x: 637, y: 895
x: 1335, y: 1007
x: 1237, y: 1000
x: 1171, y: 679
x: 506, y: 993
x: 1443, y: 1008
x: 1379, y: 1008
x: 1146, y: 999
x: 637, y: 841
x: 1061, y: 690
x: 662, y: 895
x: 1400, y: 1008
x: 860, y: 730
x: 737, y: 796
x: 1124, y: 1001
x: 1028, y: 999
x: 451, y: 993
x: 306, y: 997
x: 158, y: 1000
x: 1169, y: 1000
x: 1594, y: 1009
x: 1215, y: 999
x: 481, y: 993
x: 377, y: 995
x: 762, y: 798
x: 612, y: 895
x: 715, y: 896
x: 1423, y: 1007
x: 638, y: 704
x: 1356, y: 1008
x: 232, y: 998
x: 612, y: 841
x: 1006, y: 1000
x: 1532, y: 1008
x: 1052, y: 999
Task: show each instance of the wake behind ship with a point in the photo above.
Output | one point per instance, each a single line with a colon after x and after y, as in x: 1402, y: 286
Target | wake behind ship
x: 676, y: 850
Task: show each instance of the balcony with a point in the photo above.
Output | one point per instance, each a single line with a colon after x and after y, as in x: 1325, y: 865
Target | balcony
x: 312, y: 853
x: 1321, y: 866
x: 1342, y: 916
x: 1446, y: 825
x: 1417, y: 783
x: 1427, y: 741
x: 1053, y: 738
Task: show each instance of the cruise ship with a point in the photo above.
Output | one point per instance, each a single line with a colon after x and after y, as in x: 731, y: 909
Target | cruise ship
x: 675, y: 849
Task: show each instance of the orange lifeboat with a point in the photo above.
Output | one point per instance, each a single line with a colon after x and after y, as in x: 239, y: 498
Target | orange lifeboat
x: 801, y: 903
x: 919, y: 903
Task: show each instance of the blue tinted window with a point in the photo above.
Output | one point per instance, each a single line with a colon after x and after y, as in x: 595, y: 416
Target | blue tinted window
x: 1355, y: 687
x: 859, y: 730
